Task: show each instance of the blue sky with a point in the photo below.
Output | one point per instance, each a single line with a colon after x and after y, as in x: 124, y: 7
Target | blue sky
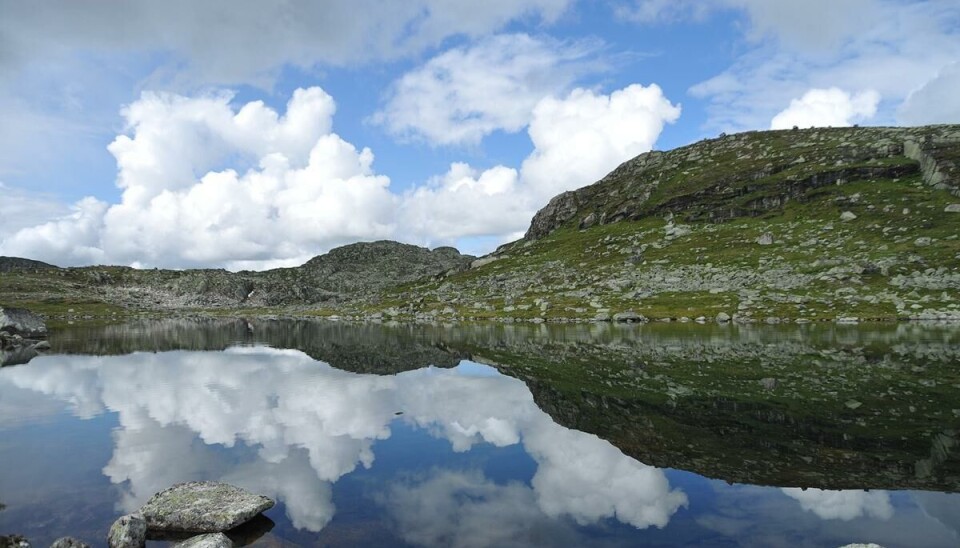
x: 158, y: 135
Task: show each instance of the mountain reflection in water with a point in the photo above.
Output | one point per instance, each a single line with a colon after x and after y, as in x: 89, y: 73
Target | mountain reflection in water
x: 300, y: 410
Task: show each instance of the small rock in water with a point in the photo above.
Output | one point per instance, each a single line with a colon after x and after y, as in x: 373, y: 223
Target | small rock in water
x: 211, y: 540
x: 202, y: 507
x: 69, y: 542
x: 20, y: 321
x: 723, y: 317
x: 13, y: 541
x: 629, y: 317
x: 129, y: 531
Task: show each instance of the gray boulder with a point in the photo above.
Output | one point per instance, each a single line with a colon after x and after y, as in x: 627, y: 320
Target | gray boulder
x: 952, y: 208
x: 69, y: 542
x: 17, y: 355
x: 210, y: 540
x: 202, y: 507
x: 629, y: 317
x: 129, y: 531
x: 765, y: 239
x: 20, y: 321
x: 723, y: 317
x: 13, y: 541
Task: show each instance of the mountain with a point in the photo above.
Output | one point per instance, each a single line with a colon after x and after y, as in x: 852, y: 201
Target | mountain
x: 848, y: 224
x: 13, y: 264
x: 818, y: 224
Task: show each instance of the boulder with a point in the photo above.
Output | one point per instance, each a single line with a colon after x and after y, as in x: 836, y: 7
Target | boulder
x: 723, y: 317
x: 13, y: 541
x: 210, y: 540
x: 17, y: 355
x: 629, y: 317
x: 69, y: 542
x: 129, y: 531
x: 847, y: 216
x: 20, y: 321
x: 765, y: 239
x: 952, y: 208
x: 202, y: 507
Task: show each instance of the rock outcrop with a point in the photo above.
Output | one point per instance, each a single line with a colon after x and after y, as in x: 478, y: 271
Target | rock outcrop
x: 20, y: 321
x: 210, y: 540
x: 129, y: 531
x: 202, y: 507
x: 752, y: 173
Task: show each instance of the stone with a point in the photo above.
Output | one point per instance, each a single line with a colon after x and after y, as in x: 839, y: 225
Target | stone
x: 69, y: 542
x: 765, y: 239
x: 42, y: 345
x: 768, y: 383
x: 852, y: 404
x: 20, y: 321
x: 210, y: 540
x: 629, y: 317
x: 847, y: 216
x: 202, y: 507
x: 602, y: 317
x: 922, y: 241
x: 129, y: 531
x: 723, y: 317
x: 952, y: 208
x: 14, y: 541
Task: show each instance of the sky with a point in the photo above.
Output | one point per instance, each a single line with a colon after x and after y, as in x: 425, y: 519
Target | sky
x: 258, y: 134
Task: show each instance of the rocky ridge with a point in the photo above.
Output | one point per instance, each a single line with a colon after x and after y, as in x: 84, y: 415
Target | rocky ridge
x: 842, y: 224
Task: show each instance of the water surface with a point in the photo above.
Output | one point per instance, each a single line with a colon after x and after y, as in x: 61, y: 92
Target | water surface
x: 495, y: 435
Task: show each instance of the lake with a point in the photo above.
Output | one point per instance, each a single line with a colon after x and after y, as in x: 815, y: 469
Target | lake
x: 495, y: 435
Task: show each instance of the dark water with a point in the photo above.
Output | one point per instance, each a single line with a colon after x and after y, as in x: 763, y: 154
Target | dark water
x: 660, y: 435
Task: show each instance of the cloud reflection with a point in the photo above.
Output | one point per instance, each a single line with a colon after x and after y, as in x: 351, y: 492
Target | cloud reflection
x: 843, y: 505
x: 296, y: 426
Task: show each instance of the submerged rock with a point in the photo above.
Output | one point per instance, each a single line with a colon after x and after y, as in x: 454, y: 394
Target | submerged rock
x: 210, y: 540
x: 20, y: 321
x: 69, y: 542
x: 13, y: 541
x: 129, y: 531
x: 202, y: 507
x: 629, y: 317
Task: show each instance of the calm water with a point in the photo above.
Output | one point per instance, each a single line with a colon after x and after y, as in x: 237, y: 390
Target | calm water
x: 375, y: 435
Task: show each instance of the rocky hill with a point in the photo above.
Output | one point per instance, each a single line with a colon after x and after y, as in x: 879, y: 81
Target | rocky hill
x: 16, y: 264
x: 842, y: 224
x: 845, y: 224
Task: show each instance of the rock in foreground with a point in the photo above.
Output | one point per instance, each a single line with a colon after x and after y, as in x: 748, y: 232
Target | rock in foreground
x: 211, y: 540
x: 20, y: 321
x: 129, y: 531
x: 202, y: 507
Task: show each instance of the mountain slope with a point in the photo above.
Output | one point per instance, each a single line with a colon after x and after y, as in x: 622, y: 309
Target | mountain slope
x: 802, y: 225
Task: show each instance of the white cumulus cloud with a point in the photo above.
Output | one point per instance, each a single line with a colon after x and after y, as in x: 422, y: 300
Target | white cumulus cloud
x: 936, y: 102
x: 205, y: 183
x: 577, y: 138
x: 831, y: 107
x: 467, y: 93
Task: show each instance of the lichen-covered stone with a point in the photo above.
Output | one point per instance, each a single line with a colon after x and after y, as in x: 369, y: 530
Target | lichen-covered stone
x: 21, y: 321
x: 210, y: 540
x: 202, y: 507
x: 69, y: 542
x: 129, y: 531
